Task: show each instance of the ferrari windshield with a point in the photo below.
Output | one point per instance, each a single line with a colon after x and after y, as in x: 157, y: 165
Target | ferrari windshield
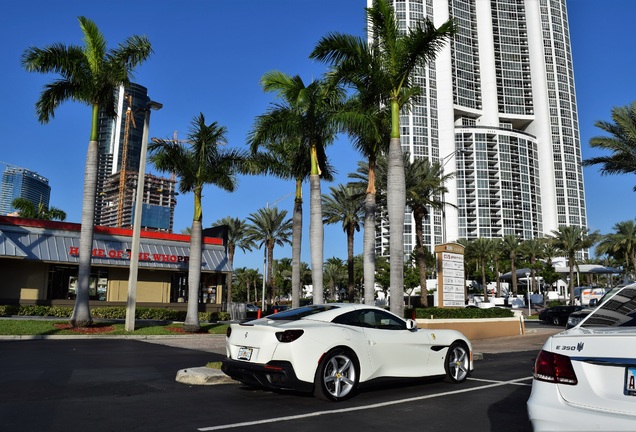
x: 301, y: 312
x: 618, y: 310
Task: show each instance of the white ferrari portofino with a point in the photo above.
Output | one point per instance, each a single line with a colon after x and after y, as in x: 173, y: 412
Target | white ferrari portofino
x: 585, y: 377
x: 331, y: 349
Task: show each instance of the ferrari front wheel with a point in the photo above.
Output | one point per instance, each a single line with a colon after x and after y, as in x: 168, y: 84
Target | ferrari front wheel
x: 337, y: 375
x: 457, y: 363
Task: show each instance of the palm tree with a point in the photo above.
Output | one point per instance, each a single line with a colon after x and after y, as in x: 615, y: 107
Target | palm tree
x: 27, y: 209
x: 496, y: 259
x: 571, y: 240
x: 399, y: 54
x: 622, y: 142
x: 425, y: 187
x: 89, y: 74
x: 344, y: 206
x: 269, y: 227
x: 532, y: 249
x: 481, y: 249
x: 620, y: 244
x: 334, y: 273
x: 511, y: 244
x: 366, y: 119
x: 236, y: 237
x: 306, y: 116
x: 200, y: 160
x: 287, y: 159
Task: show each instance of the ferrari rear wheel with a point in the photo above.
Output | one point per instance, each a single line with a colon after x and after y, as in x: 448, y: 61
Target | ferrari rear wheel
x: 337, y: 375
x: 457, y: 364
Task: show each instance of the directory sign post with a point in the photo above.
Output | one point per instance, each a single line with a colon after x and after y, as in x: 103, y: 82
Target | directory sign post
x: 450, y: 275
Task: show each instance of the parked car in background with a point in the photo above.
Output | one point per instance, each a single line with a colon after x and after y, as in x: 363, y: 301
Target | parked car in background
x: 558, y: 315
x: 585, y: 377
x: 331, y: 349
x: 250, y: 307
x: 578, y: 316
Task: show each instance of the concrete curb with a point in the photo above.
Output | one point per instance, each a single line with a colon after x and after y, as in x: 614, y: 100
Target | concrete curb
x: 203, y: 376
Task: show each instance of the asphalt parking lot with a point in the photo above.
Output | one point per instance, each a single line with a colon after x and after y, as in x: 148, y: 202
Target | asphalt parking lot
x: 124, y: 384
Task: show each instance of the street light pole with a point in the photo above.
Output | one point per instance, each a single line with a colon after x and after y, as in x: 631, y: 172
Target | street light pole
x: 444, y: 161
x: 134, y: 252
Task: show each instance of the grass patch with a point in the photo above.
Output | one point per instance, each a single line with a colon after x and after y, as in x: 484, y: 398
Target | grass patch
x: 214, y: 365
x: 28, y: 327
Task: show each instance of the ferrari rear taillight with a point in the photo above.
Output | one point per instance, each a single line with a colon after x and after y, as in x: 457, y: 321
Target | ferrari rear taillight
x: 554, y: 368
x: 289, y: 335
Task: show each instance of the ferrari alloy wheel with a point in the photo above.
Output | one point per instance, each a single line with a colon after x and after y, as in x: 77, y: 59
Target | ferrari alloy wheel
x: 337, y: 375
x: 457, y: 363
x: 556, y: 320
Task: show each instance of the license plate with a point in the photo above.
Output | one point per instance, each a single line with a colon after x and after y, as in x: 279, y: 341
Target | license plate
x: 630, y: 382
x: 244, y: 353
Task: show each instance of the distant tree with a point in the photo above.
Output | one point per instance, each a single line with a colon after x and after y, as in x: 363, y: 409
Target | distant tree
x: 27, y: 209
x: 344, y: 206
x: 571, y: 240
x: 481, y: 248
x: 236, y: 237
x: 511, y: 246
x: 269, y: 227
x: 334, y: 271
x: 90, y: 75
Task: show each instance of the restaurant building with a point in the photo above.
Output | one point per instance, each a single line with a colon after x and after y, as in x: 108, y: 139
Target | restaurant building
x: 39, y: 264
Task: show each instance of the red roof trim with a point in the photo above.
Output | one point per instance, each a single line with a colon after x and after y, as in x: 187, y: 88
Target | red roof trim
x: 67, y: 226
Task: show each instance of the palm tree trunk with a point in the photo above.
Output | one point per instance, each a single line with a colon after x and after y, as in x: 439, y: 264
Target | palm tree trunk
x: 350, y: 283
x: 483, y: 279
x: 396, y: 204
x: 418, y: 219
x: 316, y: 237
x: 297, y: 233
x: 81, y: 316
x: 191, y: 323
x: 571, y: 279
x: 513, y: 270
x: 270, y: 271
x: 368, y: 254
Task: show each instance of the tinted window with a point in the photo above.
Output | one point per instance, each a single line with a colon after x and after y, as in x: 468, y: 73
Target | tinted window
x: 616, y: 311
x: 380, y: 319
x: 298, y: 313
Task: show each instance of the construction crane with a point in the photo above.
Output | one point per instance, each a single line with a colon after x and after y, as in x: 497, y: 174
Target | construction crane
x: 130, y: 118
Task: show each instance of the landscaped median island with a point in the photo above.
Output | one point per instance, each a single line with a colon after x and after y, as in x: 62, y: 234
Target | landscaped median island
x: 107, y: 321
x: 474, y: 323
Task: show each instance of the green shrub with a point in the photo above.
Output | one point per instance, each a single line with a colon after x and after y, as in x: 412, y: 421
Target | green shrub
x: 7, y: 310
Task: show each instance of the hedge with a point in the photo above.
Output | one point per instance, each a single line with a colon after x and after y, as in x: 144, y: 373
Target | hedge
x: 111, y: 312
x: 460, y: 313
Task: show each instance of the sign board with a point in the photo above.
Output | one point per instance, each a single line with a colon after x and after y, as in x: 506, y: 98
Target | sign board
x: 451, y: 284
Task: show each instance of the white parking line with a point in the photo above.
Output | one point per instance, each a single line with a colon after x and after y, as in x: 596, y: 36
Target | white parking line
x: 361, y: 408
x: 495, y: 381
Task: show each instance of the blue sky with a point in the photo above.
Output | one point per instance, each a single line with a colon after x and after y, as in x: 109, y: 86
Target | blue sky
x: 209, y: 56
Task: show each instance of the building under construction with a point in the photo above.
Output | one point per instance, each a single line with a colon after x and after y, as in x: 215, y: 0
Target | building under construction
x: 159, y: 201
x: 120, y: 143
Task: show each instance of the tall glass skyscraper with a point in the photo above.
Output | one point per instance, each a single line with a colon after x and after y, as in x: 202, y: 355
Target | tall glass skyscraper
x: 497, y: 108
x: 22, y: 183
